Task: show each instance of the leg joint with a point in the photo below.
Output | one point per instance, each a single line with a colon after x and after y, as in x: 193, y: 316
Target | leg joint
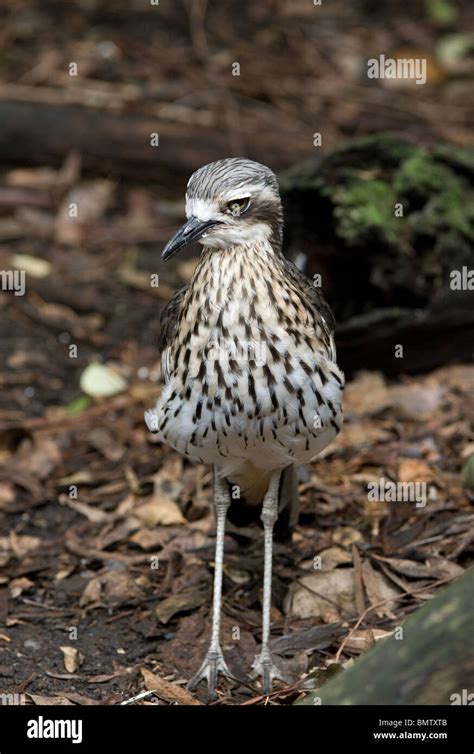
x: 269, y: 514
x: 221, y: 506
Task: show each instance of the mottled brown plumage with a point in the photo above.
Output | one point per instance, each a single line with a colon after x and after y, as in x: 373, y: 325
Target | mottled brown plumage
x: 248, y: 359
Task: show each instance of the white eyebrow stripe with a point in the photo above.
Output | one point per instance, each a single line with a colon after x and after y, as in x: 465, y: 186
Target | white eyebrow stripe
x: 268, y: 193
x: 203, y: 209
x: 208, y: 209
x: 237, y: 194
x: 248, y: 190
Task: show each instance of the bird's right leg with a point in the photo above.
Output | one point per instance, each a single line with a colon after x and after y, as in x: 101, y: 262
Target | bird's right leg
x: 263, y: 665
x: 214, y: 662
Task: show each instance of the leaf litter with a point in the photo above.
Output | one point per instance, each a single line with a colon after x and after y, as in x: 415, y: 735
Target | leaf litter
x: 136, y: 547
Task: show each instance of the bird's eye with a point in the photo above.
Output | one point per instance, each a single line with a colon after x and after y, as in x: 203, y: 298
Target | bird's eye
x: 237, y: 207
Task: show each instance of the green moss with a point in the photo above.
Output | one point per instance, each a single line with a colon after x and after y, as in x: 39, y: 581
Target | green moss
x: 441, y: 200
x: 442, y: 12
x: 366, y: 178
x: 450, y: 211
x: 364, y: 210
x: 421, y: 174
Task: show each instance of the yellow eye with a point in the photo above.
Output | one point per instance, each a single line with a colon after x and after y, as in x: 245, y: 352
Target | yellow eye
x: 237, y: 207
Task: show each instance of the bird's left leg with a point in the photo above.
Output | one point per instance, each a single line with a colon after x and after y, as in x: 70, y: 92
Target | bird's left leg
x: 214, y: 662
x: 263, y: 665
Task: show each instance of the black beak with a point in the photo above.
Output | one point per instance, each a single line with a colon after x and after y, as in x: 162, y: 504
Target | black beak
x: 192, y: 230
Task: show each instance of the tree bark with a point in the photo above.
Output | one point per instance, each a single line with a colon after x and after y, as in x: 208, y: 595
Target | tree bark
x: 432, y: 664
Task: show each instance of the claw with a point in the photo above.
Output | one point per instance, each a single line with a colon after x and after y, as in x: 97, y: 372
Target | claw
x: 264, y: 668
x: 212, y: 665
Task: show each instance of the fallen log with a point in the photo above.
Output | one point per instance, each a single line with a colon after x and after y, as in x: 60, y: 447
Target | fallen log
x: 430, y: 662
x: 118, y: 144
x: 386, y: 225
x: 109, y: 143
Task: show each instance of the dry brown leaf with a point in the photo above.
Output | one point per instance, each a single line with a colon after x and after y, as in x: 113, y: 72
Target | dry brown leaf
x: 39, y: 178
x: 111, y: 587
x: 106, y: 677
x: 346, y: 536
x: 414, y: 470
x: 461, y: 428
x: 193, y: 541
x: 328, y: 595
x: 19, y: 544
x: 72, y: 658
x: 61, y: 315
x: 36, y: 267
x: 159, y: 511
x: 467, y: 451
x: 7, y: 493
x: 169, y: 480
x: 358, y: 589
x: 59, y: 701
x: 83, y: 476
x: 126, y: 506
x: 189, y: 599
x: 417, y: 401
x: 366, y: 395
x: 39, y: 458
x: 458, y: 376
x: 79, y: 698
x: 149, y: 540
x: 83, y: 206
x: 331, y: 557
x: 237, y: 575
x: 91, y: 593
x: 134, y: 277
x: 361, y: 434
x: 18, y: 586
x: 119, y: 533
x: 364, y: 638
x: 375, y: 584
x: 95, y: 515
x: 102, y: 678
x: 104, y: 441
x: 169, y: 692
x: 434, y: 568
x: 64, y: 571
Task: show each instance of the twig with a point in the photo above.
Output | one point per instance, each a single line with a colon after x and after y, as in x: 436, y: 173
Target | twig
x: 111, y: 405
x: 379, y: 604
x: 38, y: 604
x: 141, y: 695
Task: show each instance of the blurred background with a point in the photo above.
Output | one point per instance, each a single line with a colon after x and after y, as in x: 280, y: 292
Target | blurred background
x: 106, y: 108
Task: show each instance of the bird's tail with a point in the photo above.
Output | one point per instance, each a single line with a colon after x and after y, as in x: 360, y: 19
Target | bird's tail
x: 246, y: 501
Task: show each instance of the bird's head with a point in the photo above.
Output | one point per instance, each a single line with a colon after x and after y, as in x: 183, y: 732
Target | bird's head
x: 230, y: 203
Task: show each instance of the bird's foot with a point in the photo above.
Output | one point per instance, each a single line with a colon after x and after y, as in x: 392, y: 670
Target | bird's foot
x: 264, y: 668
x: 213, y: 664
